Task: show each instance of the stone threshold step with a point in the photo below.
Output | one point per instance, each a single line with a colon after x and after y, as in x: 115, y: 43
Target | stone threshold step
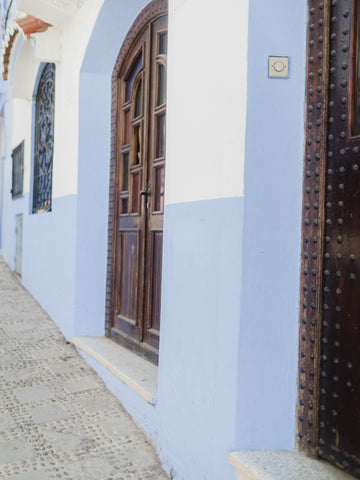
x: 283, y: 465
x: 136, y: 372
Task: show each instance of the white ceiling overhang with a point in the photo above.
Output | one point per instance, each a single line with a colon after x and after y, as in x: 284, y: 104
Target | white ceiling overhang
x: 54, y: 12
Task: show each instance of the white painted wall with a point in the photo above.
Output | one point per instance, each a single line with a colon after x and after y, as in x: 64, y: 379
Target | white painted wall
x: 24, y: 68
x: 207, y: 81
x: 22, y: 111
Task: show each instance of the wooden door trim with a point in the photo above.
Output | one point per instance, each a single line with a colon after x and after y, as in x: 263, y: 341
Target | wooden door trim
x: 149, y: 13
x: 313, y: 221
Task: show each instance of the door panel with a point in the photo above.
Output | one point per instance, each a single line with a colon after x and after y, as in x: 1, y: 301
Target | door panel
x: 155, y: 265
x: 157, y: 241
x: 129, y: 272
x: 156, y: 181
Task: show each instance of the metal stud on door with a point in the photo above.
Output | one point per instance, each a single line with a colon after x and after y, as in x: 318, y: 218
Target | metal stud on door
x: 313, y: 224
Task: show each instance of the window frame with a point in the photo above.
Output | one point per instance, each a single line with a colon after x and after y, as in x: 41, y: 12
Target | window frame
x: 42, y: 197
x: 18, y: 156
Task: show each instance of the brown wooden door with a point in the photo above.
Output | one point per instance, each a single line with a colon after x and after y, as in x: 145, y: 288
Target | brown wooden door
x: 329, y: 362
x: 156, y: 182
x: 140, y: 174
x: 339, y: 425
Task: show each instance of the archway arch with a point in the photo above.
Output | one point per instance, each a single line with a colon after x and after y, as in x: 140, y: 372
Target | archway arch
x: 112, y: 25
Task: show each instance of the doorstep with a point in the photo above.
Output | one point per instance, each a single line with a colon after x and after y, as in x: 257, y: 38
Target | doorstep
x: 282, y: 465
x: 136, y: 372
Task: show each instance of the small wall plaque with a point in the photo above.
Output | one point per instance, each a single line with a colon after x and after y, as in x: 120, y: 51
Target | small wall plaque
x: 278, y: 67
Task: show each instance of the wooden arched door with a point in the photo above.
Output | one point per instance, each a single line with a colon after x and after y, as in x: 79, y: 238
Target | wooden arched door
x: 139, y: 85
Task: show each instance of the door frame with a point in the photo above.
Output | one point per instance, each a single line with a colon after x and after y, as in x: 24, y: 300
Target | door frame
x: 150, y: 12
x: 313, y: 224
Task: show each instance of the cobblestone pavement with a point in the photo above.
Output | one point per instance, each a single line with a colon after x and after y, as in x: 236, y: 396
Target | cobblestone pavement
x: 57, y: 418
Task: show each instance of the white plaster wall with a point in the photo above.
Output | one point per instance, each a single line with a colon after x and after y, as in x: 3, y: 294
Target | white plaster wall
x: 207, y: 79
x: 23, y: 67
x: 22, y: 111
x: 21, y: 121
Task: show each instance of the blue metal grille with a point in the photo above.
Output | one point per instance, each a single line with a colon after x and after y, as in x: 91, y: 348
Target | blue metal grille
x: 44, y: 140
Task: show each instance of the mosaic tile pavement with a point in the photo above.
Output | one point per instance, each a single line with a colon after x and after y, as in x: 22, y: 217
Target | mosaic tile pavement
x: 57, y: 418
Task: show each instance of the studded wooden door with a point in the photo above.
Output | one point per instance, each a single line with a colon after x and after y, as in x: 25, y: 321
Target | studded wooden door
x: 139, y: 186
x: 329, y: 376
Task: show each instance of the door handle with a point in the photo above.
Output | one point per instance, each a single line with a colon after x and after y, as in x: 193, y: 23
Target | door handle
x: 146, y: 190
x: 146, y: 193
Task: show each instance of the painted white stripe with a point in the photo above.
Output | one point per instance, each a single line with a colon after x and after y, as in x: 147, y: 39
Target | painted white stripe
x: 207, y: 87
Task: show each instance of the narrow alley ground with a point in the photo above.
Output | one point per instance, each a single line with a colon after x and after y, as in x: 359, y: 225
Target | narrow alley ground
x: 57, y: 418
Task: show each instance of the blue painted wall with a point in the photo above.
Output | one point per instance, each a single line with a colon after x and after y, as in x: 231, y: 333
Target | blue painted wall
x: 48, y: 255
x: 49, y: 260
x: 198, y: 371
x: 272, y: 225
x: 93, y: 187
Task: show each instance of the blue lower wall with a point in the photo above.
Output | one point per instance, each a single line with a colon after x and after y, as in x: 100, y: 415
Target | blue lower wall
x: 198, y: 371
x: 93, y: 204
x: 48, y: 253
x: 194, y: 421
x: 48, y: 269
x: 272, y: 227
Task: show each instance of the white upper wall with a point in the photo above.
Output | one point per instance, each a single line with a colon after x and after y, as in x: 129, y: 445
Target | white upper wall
x: 22, y: 112
x: 206, y: 99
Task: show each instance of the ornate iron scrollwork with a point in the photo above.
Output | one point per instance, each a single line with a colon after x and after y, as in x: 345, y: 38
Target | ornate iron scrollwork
x: 44, y: 140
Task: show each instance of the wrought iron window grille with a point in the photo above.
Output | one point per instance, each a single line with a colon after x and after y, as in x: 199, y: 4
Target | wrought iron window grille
x: 44, y: 141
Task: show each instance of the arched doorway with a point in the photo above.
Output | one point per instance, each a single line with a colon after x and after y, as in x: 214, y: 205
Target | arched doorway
x: 137, y: 184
